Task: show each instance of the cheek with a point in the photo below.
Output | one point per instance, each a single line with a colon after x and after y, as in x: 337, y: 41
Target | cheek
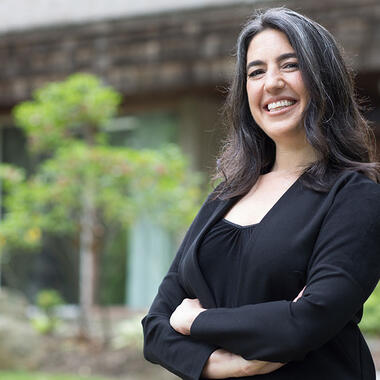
x: 253, y: 97
x: 300, y: 86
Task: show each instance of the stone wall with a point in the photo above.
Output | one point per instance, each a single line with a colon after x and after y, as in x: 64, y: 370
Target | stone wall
x: 170, y: 51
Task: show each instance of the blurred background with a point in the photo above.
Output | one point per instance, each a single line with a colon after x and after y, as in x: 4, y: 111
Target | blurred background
x: 110, y: 116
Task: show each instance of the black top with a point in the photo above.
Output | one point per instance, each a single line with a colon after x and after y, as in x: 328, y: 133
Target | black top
x: 326, y: 241
x: 221, y: 255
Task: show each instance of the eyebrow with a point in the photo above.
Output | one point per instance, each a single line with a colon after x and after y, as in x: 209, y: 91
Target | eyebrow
x: 278, y: 59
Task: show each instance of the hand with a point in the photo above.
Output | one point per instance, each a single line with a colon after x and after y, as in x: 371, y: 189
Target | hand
x: 184, y: 315
x: 223, y: 364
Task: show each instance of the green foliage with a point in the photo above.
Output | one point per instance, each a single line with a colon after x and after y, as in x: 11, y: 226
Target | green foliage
x: 47, y: 300
x: 45, y: 324
x: 370, y: 323
x: 60, y: 112
x: 66, y: 119
x: 163, y: 187
x: 127, y: 182
x: 10, y: 176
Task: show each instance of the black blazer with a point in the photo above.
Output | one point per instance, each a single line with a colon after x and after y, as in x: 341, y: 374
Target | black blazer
x: 329, y: 242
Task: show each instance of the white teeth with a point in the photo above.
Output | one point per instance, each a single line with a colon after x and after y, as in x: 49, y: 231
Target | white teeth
x: 281, y: 103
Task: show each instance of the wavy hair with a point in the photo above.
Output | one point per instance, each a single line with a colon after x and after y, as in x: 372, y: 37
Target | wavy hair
x: 332, y: 120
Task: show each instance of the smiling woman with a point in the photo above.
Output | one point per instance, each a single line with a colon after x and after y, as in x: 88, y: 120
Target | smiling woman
x: 332, y: 123
x: 276, y: 92
x: 272, y: 275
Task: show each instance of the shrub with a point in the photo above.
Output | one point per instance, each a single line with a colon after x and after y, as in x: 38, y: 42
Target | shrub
x: 371, y: 319
x: 47, y: 321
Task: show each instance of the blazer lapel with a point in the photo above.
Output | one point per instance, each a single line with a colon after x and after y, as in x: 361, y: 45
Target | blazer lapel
x: 190, y: 271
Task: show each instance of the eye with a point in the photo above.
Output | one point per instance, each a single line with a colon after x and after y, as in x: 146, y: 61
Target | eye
x: 255, y: 73
x: 291, y: 65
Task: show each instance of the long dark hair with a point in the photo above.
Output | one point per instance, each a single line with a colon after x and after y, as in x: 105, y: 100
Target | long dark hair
x: 333, y: 123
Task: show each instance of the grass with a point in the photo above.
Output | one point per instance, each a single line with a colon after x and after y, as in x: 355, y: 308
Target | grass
x: 17, y: 375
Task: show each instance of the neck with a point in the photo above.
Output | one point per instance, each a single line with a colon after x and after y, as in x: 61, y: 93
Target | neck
x: 291, y: 160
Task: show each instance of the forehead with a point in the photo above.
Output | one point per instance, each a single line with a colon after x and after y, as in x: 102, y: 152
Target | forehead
x: 268, y: 43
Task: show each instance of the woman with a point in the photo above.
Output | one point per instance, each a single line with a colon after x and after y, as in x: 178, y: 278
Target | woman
x: 270, y: 279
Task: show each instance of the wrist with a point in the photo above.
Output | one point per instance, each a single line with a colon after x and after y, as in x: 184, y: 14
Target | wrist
x: 247, y: 368
x: 241, y: 367
x: 253, y: 367
x: 223, y: 364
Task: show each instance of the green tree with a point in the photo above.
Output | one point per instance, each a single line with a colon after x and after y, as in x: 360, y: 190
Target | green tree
x: 83, y: 186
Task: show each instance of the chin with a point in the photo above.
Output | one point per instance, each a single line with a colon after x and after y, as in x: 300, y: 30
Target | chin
x: 285, y: 132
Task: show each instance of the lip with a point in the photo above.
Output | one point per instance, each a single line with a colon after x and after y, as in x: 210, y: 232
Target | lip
x: 282, y: 110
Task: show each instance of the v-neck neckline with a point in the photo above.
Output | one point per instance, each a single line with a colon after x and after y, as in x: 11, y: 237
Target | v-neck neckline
x: 193, y: 279
x: 270, y: 211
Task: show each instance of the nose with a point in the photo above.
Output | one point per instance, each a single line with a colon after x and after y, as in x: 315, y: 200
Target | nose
x: 273, y: 81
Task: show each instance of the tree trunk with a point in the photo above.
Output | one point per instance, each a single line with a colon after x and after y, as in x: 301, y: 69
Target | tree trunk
x: 88, y: 246
x: 87, y: 270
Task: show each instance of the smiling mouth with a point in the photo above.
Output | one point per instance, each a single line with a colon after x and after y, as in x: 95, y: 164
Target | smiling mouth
x: 277, y: 106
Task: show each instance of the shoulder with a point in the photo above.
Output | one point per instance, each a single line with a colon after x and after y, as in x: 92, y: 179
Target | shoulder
x: 213, y: 198
x: 356, y: 199
x: 354, y: 185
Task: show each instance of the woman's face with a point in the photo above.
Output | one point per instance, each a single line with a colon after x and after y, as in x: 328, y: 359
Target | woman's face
x: 276, y: 92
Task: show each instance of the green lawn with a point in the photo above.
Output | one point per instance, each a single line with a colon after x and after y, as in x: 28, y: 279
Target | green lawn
x: 11, y: 375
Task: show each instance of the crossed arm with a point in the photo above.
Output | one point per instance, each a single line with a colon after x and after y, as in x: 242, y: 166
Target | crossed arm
x: 221, y: 363
x: 167, y: 341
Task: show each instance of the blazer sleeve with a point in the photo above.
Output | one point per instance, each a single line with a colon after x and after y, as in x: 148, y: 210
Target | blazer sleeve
x: 343, y: 271
x: 181, y: 355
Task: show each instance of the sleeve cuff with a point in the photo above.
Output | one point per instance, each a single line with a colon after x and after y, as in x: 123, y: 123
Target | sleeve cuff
x: 197, y: 327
